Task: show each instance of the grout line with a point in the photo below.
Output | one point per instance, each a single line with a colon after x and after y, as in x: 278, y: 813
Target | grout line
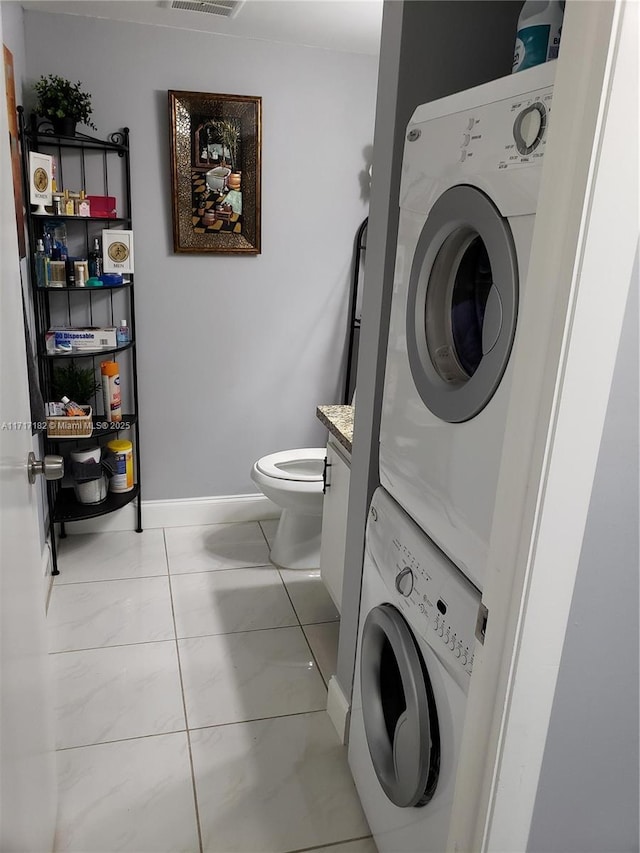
x: 184, y: 703
x: 60, y: 585
x: 115, y: 646
x: 286, y: 589
x: 331, y: 844
x: 257, y: 719
x: 120, y: 740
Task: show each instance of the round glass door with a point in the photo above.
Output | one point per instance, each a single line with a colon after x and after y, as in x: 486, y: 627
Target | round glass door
x: 398, y: 706
x: 462, y: 304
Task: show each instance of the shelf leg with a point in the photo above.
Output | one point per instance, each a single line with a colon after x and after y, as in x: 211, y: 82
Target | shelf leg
x: 54, y: 551
x: 63, y: 530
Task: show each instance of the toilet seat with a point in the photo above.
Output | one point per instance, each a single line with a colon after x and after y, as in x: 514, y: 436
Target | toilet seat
x: 302, y: 465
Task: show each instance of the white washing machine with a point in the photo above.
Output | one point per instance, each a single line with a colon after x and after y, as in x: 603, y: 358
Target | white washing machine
x: 470, y: 181
x: 414, y: 660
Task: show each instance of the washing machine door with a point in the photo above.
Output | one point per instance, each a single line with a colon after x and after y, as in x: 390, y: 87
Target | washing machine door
x: 398, y: 708
x: 462, y: 304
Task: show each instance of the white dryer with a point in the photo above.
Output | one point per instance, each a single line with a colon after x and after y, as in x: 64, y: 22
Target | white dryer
x: 470, y: 180
x: 414, y: 660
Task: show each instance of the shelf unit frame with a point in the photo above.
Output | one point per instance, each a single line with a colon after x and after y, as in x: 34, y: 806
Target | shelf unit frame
x: 37, y: 135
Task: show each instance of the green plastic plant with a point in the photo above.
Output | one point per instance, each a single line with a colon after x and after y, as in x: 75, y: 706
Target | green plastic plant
x: 59, y: 98
x: 76, y: 383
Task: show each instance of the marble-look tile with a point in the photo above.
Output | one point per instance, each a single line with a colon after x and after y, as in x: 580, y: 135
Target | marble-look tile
x: 109, y: 613
x: 233, y: 600
x: 323, y: 639
x: 269, y: 527
x: 247, y: 676
x: 274, y: 785
x: 134, y: 796
x: 109, y: 556
x: 309, y: 595
x: 362, y: 845
x: 115, y: 693
x: 205, y: 548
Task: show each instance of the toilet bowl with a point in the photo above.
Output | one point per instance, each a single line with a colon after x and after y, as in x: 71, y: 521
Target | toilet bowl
x: 292, y: 479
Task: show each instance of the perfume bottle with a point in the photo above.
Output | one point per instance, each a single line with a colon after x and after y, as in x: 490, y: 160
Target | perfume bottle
x: 95, y: 259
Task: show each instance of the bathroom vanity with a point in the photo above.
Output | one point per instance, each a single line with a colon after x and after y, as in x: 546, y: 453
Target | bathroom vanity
x: 339, y: 422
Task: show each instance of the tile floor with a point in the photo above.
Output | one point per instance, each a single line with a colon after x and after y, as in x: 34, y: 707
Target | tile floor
x: 190, y: 700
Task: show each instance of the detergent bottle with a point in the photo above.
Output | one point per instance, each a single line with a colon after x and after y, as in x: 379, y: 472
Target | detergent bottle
x: 539, y: 32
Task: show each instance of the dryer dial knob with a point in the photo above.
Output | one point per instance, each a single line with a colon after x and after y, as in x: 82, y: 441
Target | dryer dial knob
x: 529, y: 127
x: 404, y: 582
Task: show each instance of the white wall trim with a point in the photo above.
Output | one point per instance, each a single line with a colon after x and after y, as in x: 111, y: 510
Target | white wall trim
x: 555, y: 423
x: 338, y: 709
x: 182, y: 512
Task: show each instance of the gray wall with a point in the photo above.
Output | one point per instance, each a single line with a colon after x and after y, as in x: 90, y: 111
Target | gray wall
x: 234, y: 352
x: 428, y: 50
x: 588, y: 793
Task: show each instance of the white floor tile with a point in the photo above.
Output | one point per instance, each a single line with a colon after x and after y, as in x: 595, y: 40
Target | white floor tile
x: 323, y: 640
x: 274, y: 785
x: 109, y: 613
x: 115, y: 693
x: 246, y: 676
x: 362, y: 845
x: 216, y: 546
x: 234, y: 600
x: 107, y: 556
x: 309, y: 595
x: 269, y: 527
x: 133, y: 796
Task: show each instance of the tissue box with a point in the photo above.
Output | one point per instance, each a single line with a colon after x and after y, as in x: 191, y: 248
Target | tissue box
x: 61, y: 339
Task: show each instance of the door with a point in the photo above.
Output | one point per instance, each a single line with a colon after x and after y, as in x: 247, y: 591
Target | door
x: 27, y: 769
x: 398, y: 708
x: 462, y: 304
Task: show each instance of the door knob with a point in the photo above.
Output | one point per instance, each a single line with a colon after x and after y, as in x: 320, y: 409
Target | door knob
x: 51, y: 466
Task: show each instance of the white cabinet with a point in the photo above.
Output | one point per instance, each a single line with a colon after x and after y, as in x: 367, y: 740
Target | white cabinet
x: 334, y: 519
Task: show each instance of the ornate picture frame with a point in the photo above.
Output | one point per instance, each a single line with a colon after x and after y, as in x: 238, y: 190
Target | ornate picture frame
x: 216, y: 143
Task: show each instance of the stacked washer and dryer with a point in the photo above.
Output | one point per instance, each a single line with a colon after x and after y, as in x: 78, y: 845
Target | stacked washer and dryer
x: 470, y: 181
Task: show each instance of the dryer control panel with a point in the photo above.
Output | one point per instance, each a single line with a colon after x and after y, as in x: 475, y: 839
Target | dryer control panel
x: 437, y: 600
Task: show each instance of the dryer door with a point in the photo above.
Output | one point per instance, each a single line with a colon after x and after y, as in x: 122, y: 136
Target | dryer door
x: 398, y: 708
x: 462, y: 304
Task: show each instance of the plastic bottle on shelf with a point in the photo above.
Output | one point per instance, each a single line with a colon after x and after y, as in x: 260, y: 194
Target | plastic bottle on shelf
x: 539, y: 32
x: 95, y: 260
x: 40, y: 258
x: 71, y: 409
x: 123, y: 335
x: 110, y: 373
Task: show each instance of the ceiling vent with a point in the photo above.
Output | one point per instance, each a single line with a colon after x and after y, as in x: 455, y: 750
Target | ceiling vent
x: 222, y: 8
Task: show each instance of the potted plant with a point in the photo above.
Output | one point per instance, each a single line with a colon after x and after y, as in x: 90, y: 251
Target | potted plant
x: 63, y: 103
x: 77, y: 383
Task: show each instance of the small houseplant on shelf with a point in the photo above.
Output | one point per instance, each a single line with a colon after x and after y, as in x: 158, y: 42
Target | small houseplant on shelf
x: 63, y: 103
x: 77, y: 383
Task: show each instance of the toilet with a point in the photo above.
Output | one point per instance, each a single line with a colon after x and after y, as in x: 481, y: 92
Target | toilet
x: 293, y: 479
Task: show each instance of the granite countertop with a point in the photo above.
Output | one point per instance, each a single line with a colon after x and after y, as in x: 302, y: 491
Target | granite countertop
x: 339, y: 422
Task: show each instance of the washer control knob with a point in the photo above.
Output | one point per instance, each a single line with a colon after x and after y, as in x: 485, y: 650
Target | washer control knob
x: 529, y: 127
x: 404, y: 582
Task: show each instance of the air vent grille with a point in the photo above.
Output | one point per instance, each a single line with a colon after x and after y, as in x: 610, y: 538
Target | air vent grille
x: 224, y: 8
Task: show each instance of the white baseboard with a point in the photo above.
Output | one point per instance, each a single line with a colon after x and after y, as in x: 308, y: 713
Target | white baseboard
x: 338, y: 709
x: 182, y: 512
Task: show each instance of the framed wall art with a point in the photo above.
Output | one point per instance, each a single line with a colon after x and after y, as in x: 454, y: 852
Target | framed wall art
x: 215, y: 172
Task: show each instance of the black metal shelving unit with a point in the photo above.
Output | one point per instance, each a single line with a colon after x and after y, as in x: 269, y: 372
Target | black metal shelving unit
x: 100, y: 166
